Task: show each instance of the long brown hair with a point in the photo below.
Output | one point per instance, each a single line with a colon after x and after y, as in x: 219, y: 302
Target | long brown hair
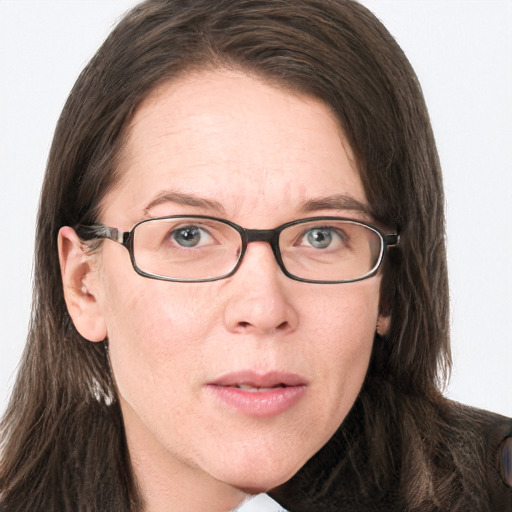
x: 63, y: 445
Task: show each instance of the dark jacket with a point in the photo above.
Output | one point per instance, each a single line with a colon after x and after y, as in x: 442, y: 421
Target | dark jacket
x: 328, y: 483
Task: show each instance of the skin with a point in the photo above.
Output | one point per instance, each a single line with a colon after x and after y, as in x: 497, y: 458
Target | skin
x: 260, y: 152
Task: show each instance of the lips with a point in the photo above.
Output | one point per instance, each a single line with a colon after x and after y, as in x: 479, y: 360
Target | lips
x: 259, y: 395
x: 256, y: 380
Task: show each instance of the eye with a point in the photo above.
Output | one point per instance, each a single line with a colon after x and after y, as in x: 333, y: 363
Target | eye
x: 191, y: 236
x: 322, y: 237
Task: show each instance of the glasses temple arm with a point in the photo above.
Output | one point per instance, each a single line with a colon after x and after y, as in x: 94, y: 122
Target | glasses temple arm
x: 99, y: 231
x: 392, y: 239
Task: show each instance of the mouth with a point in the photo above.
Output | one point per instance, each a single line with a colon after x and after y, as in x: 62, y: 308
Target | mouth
x: 258, y: 395
x: 256, y: 389
x: 254, y: 381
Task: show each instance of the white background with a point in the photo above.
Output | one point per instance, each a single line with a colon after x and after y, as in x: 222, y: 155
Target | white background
x: 462, y: 53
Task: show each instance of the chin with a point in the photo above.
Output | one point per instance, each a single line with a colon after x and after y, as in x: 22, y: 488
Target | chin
x: 256, y: 480
x: 254, y: 488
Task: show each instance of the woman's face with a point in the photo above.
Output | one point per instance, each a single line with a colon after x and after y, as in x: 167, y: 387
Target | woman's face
x: 228, y: 145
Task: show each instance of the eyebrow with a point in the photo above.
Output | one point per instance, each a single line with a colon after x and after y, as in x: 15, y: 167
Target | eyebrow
x: 335, y: 202
x: 185, y: 199
x: 332, y: 202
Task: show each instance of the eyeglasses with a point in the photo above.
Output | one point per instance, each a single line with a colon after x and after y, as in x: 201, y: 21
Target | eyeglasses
x: 197, y: 248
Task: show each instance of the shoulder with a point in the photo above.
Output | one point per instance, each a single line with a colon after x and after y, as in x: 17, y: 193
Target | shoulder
x: 493, y: 435
x: 440, y: 456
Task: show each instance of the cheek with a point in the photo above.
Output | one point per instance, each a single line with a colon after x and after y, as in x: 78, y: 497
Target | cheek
x: 343, y: 329
x: 346, y: 320
x: 153, y: 328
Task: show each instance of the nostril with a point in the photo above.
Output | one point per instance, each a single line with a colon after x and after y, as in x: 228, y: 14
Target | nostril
x: 282, y: 326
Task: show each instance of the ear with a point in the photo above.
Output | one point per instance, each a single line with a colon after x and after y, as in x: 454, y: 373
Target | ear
x: 383, y: 325
x: 78, y: 278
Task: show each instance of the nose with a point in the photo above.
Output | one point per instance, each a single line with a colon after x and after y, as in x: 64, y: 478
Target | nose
x: 259, y: 302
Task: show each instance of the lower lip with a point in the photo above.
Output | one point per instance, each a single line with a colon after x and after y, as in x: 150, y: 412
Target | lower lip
x: 261, y: 404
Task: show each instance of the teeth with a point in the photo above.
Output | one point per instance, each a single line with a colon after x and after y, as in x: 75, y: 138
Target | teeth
x: 252, y: 389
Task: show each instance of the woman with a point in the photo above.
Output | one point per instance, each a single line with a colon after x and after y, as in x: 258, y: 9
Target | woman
x: 277, y: 317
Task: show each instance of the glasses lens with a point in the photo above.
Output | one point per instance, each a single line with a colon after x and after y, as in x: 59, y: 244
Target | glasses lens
x: 186, y: 248
x: 330, y: 250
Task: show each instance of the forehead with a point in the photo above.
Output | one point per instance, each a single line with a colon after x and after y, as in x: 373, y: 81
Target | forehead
x: 232, y: 138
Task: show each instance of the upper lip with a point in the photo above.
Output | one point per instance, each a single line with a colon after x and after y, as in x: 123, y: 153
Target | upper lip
x: 260, y: 380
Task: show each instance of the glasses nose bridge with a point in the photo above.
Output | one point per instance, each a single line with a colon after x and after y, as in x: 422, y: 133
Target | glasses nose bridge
x: 271, y: 236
